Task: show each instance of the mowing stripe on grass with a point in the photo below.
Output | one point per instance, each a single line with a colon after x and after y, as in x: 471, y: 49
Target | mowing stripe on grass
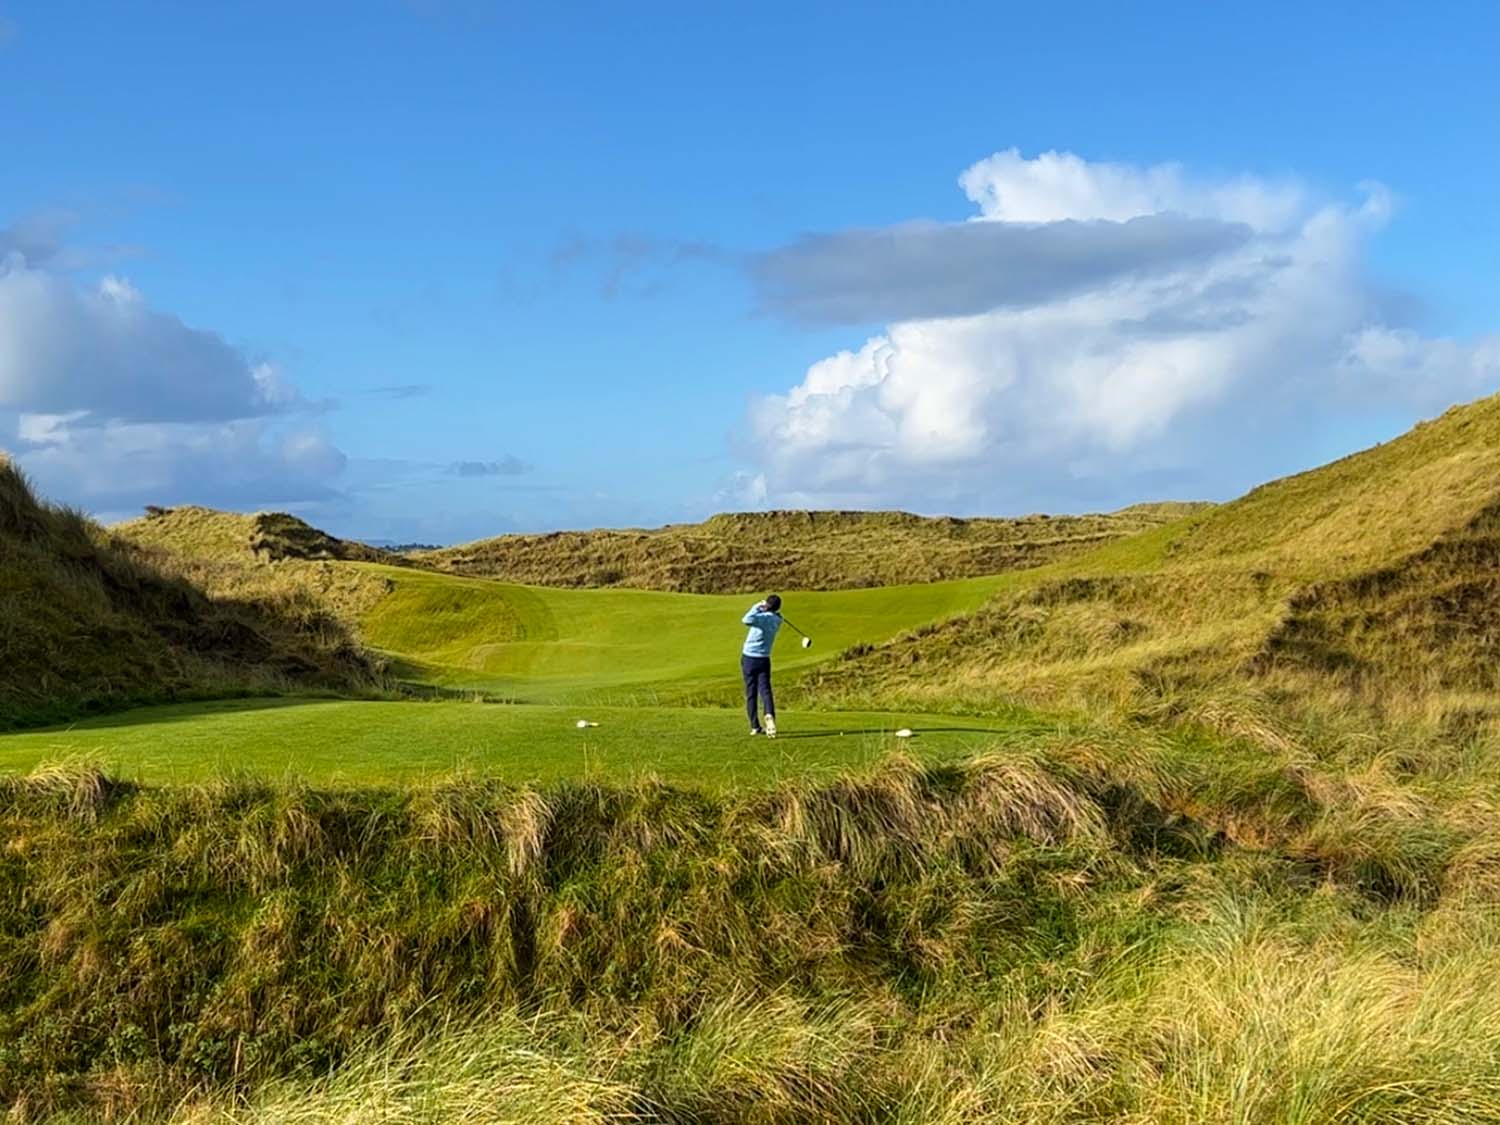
x: 547, y: 645
x: 363, y: 742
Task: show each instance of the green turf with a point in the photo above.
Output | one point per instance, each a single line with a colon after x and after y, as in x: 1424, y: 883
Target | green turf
x: 543, y: 658
x: 542, y: 645
x: 360, y: 741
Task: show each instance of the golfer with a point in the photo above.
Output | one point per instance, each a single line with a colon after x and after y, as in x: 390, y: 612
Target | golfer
x: 764, y: 620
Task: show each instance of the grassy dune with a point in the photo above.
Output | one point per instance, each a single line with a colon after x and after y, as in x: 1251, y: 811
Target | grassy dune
x: 210, y: 535
x: 1367, y: 583
x: 757, y: 551
x: 92, y: 622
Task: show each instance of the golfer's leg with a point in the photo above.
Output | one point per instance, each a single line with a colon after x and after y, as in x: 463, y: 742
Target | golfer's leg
x: 748, y: 674
x: 767, y: 700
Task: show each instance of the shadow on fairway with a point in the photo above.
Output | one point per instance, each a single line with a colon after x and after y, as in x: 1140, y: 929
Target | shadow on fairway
x: 916, y: 732
x: 153, y: 714
x: 433, y: 692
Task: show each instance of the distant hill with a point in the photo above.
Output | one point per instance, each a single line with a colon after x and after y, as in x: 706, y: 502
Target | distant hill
x: 91, y: 621
x: 1375, y: 579
x: 398, y: 548
x: 207, y: 533
x: 804, y: 550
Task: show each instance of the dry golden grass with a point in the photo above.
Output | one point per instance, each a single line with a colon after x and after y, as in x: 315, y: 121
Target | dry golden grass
x: 89, y: 621
x: 207, y: 534
x: 1367, y: 583
x: 814, y: 550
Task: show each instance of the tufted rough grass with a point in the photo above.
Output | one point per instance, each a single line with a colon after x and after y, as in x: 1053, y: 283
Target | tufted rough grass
x: 1106, y: 925
x: 91, y: 623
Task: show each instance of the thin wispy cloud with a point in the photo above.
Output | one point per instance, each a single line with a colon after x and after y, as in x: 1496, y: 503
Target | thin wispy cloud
x: 465, y: 12
x: 927, y: 270
x: 634, y: 264
x: 402, y: 390
x: 507, y: 466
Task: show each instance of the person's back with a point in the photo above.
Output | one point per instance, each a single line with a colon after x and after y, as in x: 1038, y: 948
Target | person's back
x: 764, y: 623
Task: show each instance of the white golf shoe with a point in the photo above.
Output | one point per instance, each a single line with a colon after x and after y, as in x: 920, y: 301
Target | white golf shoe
x: 770, y: 726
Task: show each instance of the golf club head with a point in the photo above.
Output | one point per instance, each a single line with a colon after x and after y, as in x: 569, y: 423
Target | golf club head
x: 807, y: 642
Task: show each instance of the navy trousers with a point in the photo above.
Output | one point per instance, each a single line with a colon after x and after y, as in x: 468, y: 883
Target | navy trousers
x: 757, y: 673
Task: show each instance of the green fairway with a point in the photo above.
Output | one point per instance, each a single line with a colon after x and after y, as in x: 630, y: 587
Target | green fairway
x: 544, y: 658
x: 543, y: 645
x: 363, y: 742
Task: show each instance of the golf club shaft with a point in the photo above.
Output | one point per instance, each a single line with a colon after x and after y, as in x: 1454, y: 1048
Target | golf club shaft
x: 784, y: 621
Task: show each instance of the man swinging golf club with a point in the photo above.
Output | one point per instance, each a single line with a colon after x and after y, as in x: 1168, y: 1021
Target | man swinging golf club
x: 764, y: 620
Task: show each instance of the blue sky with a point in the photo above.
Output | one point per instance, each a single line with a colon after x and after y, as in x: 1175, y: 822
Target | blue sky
x: 441, y: 268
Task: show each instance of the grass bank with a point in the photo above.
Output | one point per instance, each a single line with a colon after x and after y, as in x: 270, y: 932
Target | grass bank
x: 89, y: 622
x: 1100, y: 927
x: 1252, y: 1014
x: 1365, y: 584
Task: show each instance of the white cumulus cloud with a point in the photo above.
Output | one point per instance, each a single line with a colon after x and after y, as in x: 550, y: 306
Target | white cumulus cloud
x: 112, y: 403
x: 1196, y: 376
x: 66, y: 347
x: 121, y: 466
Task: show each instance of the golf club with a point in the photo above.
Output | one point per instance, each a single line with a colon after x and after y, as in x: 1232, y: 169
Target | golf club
x: 806, y: 640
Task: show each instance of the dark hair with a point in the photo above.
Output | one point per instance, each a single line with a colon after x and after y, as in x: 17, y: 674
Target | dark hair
x: 773, y: 602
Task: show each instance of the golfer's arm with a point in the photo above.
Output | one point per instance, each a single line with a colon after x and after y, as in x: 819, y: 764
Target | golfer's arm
x: 752, y: 617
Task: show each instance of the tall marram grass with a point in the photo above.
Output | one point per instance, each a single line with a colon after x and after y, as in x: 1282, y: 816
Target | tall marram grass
x: 1244, y: 1016
x: 1242, y: 1019
x: 1120, y: 927
x: 90, y: 622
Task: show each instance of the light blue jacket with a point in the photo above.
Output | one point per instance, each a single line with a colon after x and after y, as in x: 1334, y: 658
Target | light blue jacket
x: 763, y: 625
